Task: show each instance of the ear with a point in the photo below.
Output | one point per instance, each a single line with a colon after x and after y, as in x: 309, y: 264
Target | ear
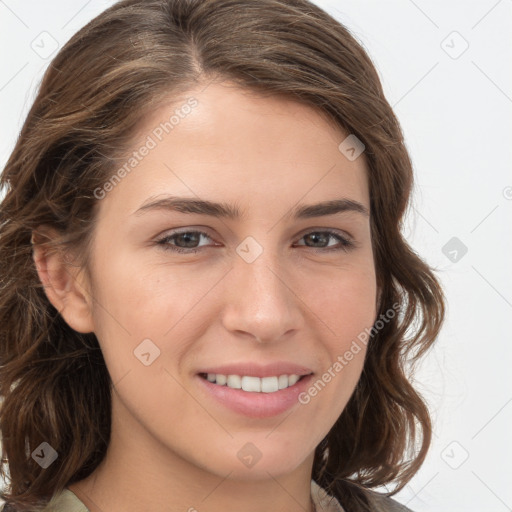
x: 64, y: 282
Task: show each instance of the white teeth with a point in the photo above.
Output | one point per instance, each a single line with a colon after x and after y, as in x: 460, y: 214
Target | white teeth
x: 254, y: 384
x: 221, y: 379
x: 292, y: 379
x: 250, y: 383
x: 269, y: 384
x: 234, y: 381
x: 283, y: 381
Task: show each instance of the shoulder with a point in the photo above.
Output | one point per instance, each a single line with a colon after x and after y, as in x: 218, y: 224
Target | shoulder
x: 378, y: 502
x: 383, y: 503
x: 64, y: 501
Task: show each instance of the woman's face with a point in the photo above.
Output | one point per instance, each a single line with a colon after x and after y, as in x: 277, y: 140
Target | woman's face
x: 262, y: 294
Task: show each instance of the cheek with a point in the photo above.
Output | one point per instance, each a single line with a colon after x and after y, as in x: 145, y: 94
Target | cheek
x: 346, y: 310
x: 138, y: 301
x: 343, y: 301
x: 146, y: 298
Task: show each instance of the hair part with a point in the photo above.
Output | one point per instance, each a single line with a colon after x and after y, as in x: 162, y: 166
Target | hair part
x: 54, y: 384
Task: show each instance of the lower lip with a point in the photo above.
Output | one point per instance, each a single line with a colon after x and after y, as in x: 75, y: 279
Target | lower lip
x: 254, y: 404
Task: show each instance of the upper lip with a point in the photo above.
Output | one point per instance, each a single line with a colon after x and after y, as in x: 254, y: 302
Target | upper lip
x: 259, y: 370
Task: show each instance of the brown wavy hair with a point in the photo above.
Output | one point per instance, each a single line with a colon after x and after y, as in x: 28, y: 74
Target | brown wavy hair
x: 54, y: 384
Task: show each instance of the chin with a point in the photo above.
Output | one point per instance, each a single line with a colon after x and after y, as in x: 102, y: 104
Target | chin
x: 258, y: 458
x: 261, y: 470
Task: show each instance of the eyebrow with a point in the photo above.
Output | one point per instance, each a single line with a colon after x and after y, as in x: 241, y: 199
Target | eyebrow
x: 231, y: 211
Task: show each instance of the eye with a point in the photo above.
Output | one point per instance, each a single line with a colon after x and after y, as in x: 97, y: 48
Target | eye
x: 188, y: 238
x: 187, y: 241
x: 323, y: 237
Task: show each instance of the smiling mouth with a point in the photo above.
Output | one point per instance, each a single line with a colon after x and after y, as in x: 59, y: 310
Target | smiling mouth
x: 253, y: 384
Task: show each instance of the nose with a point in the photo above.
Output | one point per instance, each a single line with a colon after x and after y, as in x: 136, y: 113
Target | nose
x: 260, y: 303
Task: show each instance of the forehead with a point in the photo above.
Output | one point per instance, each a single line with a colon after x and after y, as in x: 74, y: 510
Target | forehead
x: 226, y: 143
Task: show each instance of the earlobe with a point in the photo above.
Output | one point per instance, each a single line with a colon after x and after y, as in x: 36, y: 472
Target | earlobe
x: 63, y: 282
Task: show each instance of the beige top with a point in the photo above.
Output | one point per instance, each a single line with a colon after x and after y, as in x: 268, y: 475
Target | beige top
x: 323, y: 501
x: 67, y: 501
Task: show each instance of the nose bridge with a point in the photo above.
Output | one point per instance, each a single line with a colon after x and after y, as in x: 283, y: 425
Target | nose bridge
x: 261, y: 302
x: 258, y: 272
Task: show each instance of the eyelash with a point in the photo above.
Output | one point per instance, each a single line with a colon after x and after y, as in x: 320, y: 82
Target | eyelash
x: 346, y: 244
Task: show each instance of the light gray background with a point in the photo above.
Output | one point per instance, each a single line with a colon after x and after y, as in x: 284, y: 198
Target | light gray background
x: 455, y: 107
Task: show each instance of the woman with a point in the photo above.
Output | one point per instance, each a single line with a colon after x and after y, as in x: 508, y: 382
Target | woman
x: 207, y: 302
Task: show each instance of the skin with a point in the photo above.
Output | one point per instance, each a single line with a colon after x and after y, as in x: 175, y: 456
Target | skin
x: 172, y: 447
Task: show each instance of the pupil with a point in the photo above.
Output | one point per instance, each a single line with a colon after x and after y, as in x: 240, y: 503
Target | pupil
x: 193, y: 236
x: 317, y: 236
